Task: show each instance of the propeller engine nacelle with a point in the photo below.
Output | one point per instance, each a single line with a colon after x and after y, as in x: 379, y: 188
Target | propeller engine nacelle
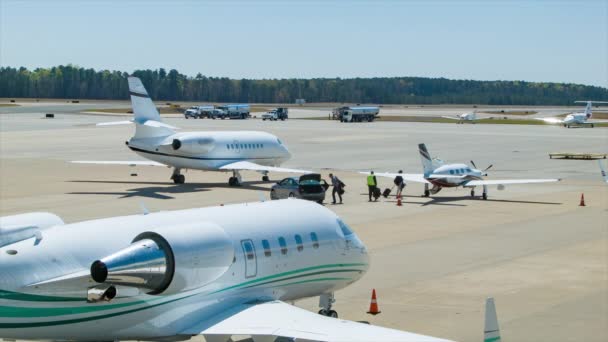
x: 168, y: 260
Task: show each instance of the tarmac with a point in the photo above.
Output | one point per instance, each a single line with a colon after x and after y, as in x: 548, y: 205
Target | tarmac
x: 434, y: 260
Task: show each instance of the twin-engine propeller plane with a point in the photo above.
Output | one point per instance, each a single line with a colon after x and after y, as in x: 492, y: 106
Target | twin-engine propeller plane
x: 208, y: 151
x: 576, y: 119
x: 168, y: 276
x: 441, y: 175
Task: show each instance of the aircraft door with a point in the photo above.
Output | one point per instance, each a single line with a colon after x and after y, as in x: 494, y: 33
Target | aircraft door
x: 251, y: 264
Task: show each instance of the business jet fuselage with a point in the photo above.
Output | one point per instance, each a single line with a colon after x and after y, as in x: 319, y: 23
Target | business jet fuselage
x: 171, y: 271
x: 208, y: 151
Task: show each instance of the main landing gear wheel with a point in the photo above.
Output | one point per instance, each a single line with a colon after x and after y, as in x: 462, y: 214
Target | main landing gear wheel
x: 472, y: 193
x: 427, y: 193
x: 179, y: 179
x: 328, y: 313
x: 233, y: 181
x: 265, y: 178
x: 484, y: 196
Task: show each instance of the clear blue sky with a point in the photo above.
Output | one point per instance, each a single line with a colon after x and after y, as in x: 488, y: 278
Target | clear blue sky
x: 559, y: 41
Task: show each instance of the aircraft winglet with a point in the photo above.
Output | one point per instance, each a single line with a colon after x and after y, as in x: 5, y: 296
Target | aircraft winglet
x: 491, y: 332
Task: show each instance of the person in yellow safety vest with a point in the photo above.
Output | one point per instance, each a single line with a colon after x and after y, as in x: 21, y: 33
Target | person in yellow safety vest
x: 371, y: 185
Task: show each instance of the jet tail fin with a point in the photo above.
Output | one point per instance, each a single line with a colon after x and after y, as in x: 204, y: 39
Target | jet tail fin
x: 428, y: 164
x: 491, y: 332
x: 588, y: 108
x: 145, y: 112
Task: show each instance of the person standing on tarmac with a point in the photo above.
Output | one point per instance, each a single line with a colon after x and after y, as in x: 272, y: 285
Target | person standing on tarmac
x: 399, y: 183
x: 337, y: 187
x: 371, y: 185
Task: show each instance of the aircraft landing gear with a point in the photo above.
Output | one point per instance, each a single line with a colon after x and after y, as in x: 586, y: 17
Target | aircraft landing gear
x: 485, y: 192
x: 427, y: 192
x: 265, y: 176
x: 235, y: 180
x: 472, y: 193
x: 177, y: 177
x: 325, y: 302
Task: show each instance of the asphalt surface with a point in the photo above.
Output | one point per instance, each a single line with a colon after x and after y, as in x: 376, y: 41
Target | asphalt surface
x: 434, y: 260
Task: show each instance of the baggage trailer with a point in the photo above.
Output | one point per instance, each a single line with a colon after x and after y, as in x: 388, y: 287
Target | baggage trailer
x: 356, y: 114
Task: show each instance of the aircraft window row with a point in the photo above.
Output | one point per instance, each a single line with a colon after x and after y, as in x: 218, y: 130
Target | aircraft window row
x: 249, y: 251
x: 244, y: 146
x: 283, y: 244
x: 460, y: 171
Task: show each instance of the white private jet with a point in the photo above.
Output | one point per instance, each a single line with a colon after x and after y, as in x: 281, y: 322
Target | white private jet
x: 465, y: 117
x: 575, y: 119
x: 168, y: 276
x: 208, y: 151
x: 442, y: 175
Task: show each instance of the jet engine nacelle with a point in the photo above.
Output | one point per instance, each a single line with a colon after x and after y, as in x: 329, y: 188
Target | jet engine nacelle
x: 192, y: 144
x: 21, y: 227
x: 169, y: 260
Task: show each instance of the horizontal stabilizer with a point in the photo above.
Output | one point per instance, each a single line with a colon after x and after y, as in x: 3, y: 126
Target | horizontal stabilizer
x: 114, y: 123
x: 158, y: 124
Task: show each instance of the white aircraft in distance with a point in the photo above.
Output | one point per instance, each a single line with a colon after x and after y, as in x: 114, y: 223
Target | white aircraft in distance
x: 575, y: 119
x: 208, y: 151
x: 465, y: 117
x: 442, y: 175
x: 604, y: 175
x: 169, y: 276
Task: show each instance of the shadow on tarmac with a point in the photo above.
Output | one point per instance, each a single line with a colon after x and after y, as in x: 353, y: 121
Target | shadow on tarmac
x: 161, y: 190
x: 448, y: 200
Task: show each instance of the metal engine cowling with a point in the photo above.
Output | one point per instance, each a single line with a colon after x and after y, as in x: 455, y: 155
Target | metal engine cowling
x: 169, y: 259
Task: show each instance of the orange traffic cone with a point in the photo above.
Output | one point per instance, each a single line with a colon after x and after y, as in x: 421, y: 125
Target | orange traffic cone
x: 373, y: 306
x: 399, y: 201
x: 582, y: 204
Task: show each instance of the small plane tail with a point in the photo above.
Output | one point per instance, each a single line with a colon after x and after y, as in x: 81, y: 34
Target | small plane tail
x: 145, y: 115
x: 491, y: 332
x: 428, y: 163
x: 588, y: 107
x: 604, y: 174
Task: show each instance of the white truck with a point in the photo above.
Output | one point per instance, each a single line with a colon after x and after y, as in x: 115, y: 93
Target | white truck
x: 276, y: 114
x: 234, y: 111
x: 356, y: 114
x: 198, y: 112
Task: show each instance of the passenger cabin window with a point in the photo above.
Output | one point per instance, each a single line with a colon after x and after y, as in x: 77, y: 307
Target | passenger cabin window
x: 315, y: 240
x: 451, y: 172
x: 283, y: 245
x: 249, y: 251
x: 299, y: 243
x: 266, y: 246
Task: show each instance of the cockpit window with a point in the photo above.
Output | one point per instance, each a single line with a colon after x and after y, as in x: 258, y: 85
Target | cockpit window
x: 345, y: 229
x: 279, y: 141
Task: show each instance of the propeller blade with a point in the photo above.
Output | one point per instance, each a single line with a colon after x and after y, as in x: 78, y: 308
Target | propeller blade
x: 473, y: 163
x: 487, y: 168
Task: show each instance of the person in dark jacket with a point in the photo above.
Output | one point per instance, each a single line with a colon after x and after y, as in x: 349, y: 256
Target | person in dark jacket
x: 371, y: 185
x: 337, y: 188
x: 399, y: 183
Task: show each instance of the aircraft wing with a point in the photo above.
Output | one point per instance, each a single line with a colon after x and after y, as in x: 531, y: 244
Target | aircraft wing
x: 452, y: 117
x: 245, y: 165
x: 119, y: 162
x: 279, y: 319
x: 408, y: 177
x: 510, y: 181
x: 113, y: 123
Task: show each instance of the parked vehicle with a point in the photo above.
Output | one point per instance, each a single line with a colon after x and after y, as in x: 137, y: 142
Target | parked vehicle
x: 198, y: 112
x: 356, y: 114
x: 309, y: 187
x: 276, y: 114
x: 217, y: 113
x: 235, y: 111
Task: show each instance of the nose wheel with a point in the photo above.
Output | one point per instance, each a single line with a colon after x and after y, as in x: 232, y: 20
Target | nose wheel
x: 265, y: 178
x: 177, y: 177
x: 328, y: 313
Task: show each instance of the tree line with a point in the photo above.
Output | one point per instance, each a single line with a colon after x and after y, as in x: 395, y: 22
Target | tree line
x: 73, y: 82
